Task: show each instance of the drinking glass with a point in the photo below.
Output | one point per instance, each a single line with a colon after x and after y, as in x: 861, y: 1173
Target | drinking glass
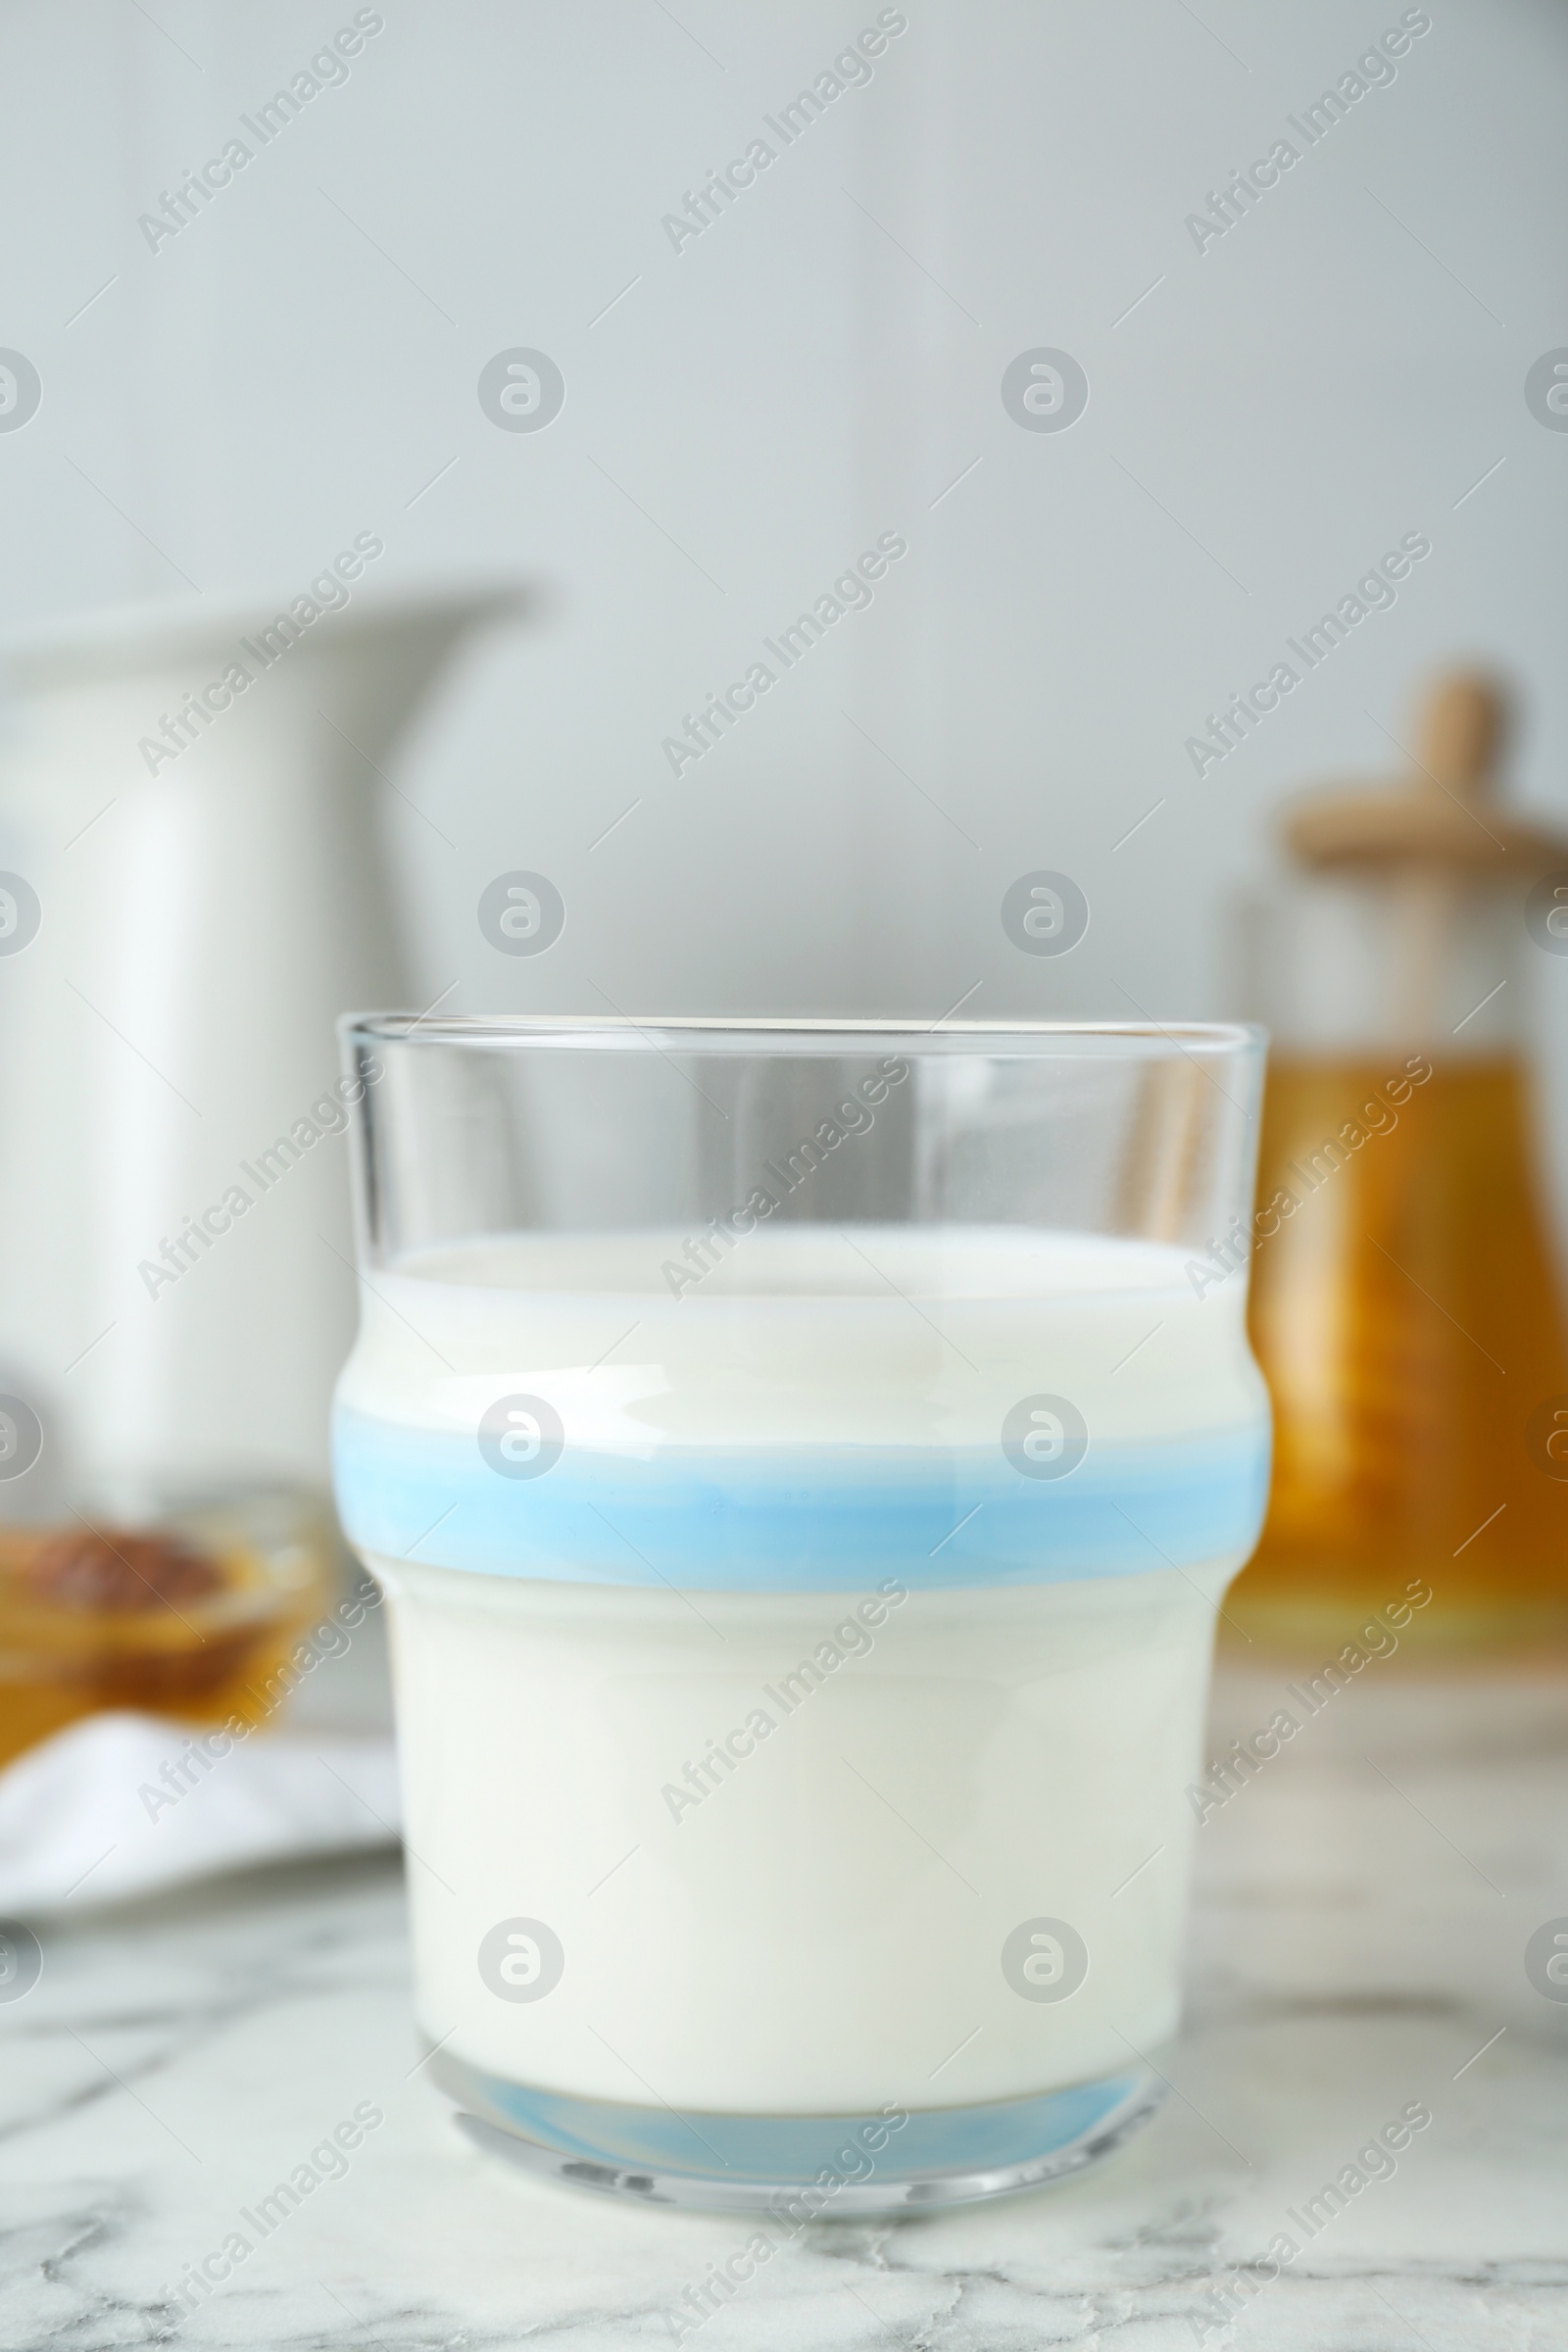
x: 804, y: 1470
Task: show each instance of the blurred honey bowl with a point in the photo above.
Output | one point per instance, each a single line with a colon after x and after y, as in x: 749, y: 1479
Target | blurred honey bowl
x: 187, y: 1606
x: 1405, y: 1301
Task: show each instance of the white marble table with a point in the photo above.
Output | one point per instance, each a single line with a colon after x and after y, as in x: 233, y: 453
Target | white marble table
x: 1358, y: 1946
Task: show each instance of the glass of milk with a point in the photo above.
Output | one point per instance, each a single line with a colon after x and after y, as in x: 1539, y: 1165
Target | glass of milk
x: 804, y: 1460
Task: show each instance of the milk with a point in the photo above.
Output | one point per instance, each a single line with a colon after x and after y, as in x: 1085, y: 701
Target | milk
x: 786, y: 1701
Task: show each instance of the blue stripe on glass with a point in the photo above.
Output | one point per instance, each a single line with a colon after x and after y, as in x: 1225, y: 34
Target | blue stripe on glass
x: 828, y: 1519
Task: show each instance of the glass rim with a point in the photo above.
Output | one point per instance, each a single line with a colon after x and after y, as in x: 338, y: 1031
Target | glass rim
x: 808, y: 1033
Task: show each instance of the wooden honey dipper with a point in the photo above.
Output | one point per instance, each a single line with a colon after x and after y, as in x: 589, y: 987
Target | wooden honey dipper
x: 1430, y: 836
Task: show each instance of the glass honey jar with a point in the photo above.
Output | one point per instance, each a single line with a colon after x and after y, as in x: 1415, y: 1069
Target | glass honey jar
x: 1405, y: 1301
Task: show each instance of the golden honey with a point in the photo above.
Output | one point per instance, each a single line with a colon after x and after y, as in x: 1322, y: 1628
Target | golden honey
x: 1407, y: 1315
x: 193, y: 1621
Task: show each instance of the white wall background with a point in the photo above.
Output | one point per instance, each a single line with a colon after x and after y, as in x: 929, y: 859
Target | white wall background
x: 790, y: 384
x: 302, y: 360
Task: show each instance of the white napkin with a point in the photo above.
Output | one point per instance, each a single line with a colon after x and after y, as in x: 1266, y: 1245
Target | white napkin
x: 120, y: 1804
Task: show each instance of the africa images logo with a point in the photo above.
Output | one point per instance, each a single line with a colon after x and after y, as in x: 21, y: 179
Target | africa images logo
x: 521, y: 1436
x: 522, y: 1960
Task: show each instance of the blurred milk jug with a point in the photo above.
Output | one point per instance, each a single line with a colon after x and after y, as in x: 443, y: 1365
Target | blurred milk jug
x: 182, y: 924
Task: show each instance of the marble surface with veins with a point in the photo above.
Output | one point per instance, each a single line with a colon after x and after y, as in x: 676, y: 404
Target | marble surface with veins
x: 1363, y: 1911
